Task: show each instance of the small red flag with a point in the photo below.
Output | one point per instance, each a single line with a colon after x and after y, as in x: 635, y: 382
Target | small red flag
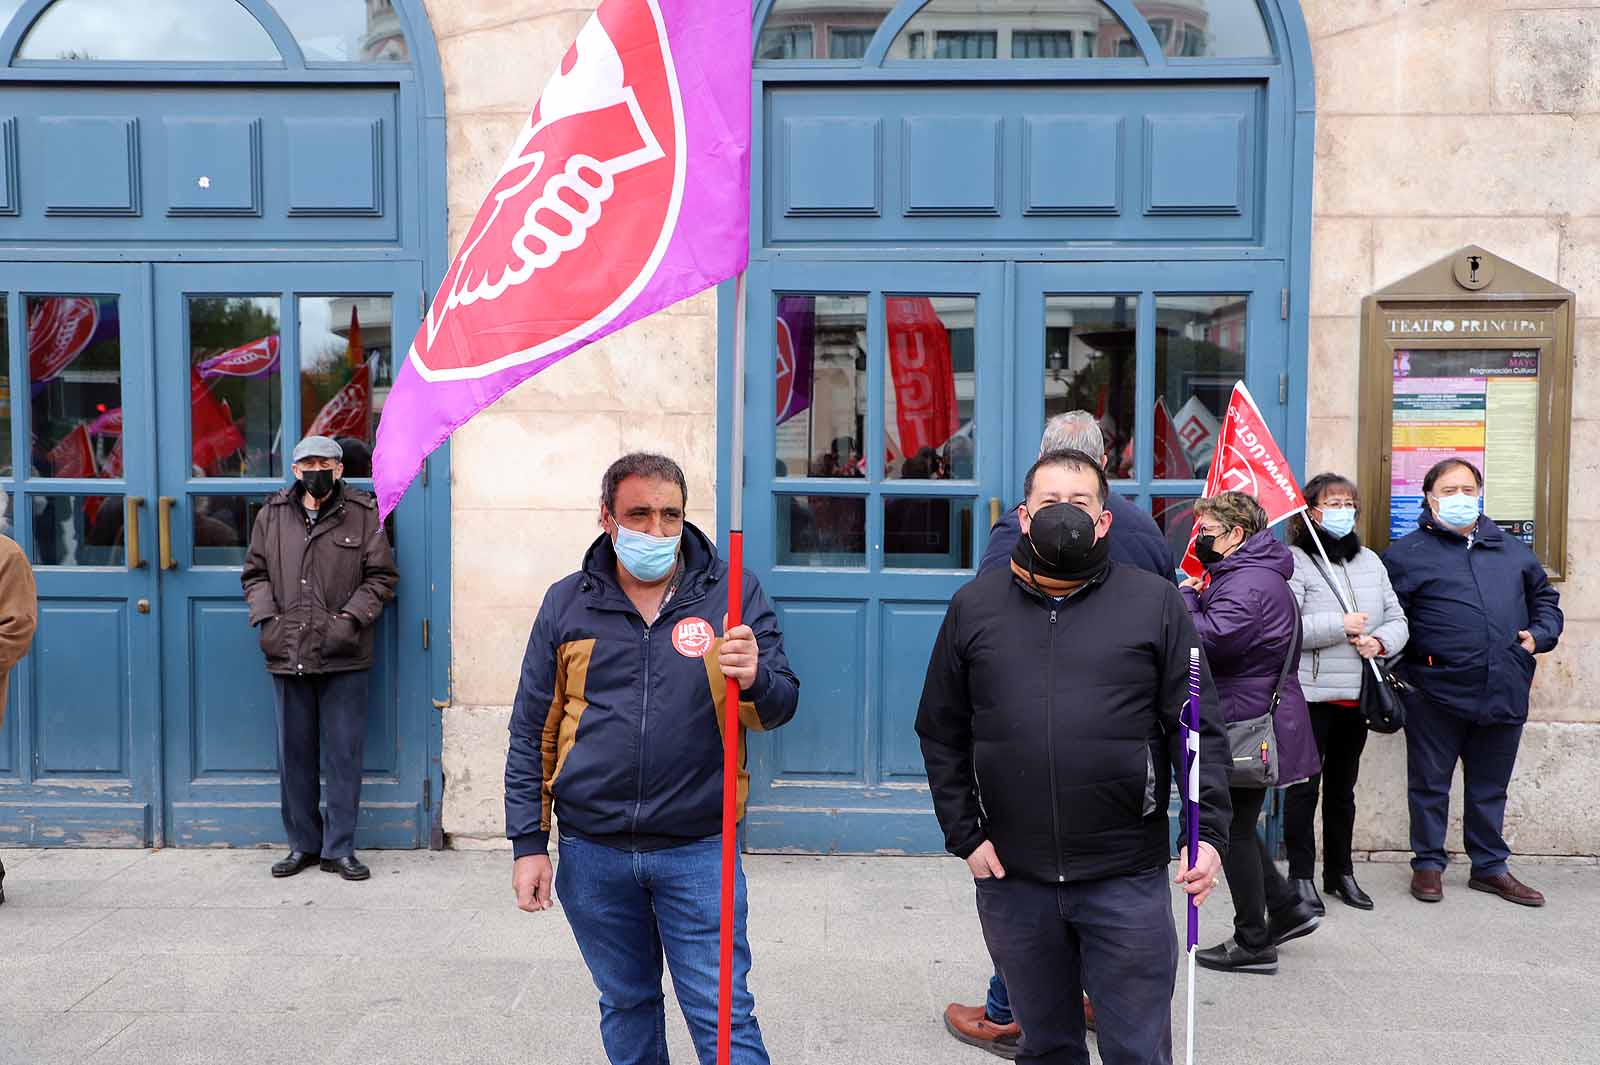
x: 1248, y: 460
x: 349, y: 412
x: 74, y: 455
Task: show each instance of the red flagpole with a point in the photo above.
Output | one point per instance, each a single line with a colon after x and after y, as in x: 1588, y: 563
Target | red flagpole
x: 730, y: 716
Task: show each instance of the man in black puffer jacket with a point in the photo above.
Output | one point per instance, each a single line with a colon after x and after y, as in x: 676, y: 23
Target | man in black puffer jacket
x: 1049, y: 725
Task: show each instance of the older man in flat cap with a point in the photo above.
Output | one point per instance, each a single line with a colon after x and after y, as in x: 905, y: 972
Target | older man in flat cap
x: 319, y: 572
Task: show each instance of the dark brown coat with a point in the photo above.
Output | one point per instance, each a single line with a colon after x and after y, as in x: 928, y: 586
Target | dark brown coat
x: 317, y: 593
x: 19, y: 611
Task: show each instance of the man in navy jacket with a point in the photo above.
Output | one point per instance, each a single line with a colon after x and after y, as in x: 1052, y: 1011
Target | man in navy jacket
x: 617, y: 731
x: 1480, y: 608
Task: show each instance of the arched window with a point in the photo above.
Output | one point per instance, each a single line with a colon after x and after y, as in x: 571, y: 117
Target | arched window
x: 997, y: 29
x: 821, y: 29
x: 345, y: 31
x: 206, y: 31
x: 171, y: 31
x: 843, y: 30
x: 1216, y: 29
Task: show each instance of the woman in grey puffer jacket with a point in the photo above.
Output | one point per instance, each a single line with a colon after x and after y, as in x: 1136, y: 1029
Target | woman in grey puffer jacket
x: 1334, y: 655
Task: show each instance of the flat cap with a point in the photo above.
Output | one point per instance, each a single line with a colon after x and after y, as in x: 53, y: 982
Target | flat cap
x: 318, y: 447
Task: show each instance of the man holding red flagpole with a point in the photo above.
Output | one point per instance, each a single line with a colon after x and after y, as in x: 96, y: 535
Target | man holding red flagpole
x: 617, y: 734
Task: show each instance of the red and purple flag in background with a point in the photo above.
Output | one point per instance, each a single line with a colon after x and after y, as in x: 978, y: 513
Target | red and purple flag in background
x: 627, y: 190
x: 255, y: 359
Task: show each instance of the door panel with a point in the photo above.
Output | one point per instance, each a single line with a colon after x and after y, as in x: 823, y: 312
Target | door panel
x: 334, y: 329
x: 228, y: 165
x: 867, y: 505
x: 78, y: 750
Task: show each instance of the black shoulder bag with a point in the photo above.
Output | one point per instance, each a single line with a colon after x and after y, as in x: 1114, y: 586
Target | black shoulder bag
x: 1252, y: 743
x: 1383, y: 695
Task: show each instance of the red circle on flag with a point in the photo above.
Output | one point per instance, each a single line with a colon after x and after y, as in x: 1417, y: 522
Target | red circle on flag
x: 785, y: 361
x: 582, y: 212
x: 693, y: 637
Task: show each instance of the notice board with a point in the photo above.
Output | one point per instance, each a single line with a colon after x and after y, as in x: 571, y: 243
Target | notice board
x: 1482, y: 374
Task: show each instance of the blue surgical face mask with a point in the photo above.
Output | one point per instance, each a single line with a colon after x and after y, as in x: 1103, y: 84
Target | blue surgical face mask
x: 1339, y: 521
x: 648, y: 558
x: 1458, y: 511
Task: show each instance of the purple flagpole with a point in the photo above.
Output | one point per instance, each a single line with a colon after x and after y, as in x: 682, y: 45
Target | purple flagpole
x: 1190, y: 721
x: 1191, y: 756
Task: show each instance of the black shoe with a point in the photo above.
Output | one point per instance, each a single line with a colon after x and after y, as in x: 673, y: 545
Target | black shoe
x: 347, y: 867
x: 1230, y: 957
x: 1292, y: 923
x: 1347, y: 889
x: 297, y: 861
x: 1308, y: 894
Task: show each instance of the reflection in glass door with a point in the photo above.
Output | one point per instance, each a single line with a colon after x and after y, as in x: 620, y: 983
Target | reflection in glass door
x: 1153, y: 350
x: 78, y: 751
x: 251, y: 359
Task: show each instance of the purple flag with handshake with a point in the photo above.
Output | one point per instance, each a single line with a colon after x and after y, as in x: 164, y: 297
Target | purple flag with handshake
x: 627, y: 190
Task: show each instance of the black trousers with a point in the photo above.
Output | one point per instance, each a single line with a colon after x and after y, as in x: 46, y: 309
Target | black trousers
x: 1113, y: 938
x: 1253, y: 880
x: 322, y: 724
x: 1341, y: 737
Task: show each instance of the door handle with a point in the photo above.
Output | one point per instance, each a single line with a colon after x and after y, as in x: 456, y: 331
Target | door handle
x: 994, y: 511
x: 130, y: 522
x: 164, y: 507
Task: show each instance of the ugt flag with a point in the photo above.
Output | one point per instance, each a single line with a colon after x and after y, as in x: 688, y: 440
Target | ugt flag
x: 627, y: 190
x: 1248, y: 460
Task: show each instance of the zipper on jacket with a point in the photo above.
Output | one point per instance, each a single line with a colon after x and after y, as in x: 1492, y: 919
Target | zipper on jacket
x: 1050, y: 744
x: 644, y: 711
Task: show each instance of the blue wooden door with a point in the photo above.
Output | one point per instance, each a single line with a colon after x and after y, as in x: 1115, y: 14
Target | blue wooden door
x: 252, y: 357
x: 79, y: 750
x: 875, y: 449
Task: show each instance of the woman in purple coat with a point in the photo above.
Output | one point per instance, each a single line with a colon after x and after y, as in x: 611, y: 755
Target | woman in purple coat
x: 1249, y: 626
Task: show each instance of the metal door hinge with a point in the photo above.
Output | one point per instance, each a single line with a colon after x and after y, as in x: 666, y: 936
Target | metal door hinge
x: 425, y: 634
x: 1283, y: 388
x: 427, y: 794
x: 1283, y: 305
x: 422, y: 303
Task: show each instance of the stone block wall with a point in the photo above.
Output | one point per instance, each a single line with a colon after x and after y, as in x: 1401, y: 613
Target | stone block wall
x: 526, y: 473
x: 1442, y: 123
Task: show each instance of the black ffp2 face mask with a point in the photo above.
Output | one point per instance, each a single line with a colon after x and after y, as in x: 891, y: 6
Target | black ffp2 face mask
x: 1062, y: 544
x: 319, y: 483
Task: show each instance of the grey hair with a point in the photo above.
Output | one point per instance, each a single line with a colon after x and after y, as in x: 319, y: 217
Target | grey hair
x: 1075, y: 430
x: 646, y: 464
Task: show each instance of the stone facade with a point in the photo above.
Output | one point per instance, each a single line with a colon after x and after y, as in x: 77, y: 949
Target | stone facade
x: 1439, y: 123
x: 1443, y: 124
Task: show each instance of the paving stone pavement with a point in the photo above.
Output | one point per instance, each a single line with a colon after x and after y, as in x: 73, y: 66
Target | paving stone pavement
x: 199, y: 957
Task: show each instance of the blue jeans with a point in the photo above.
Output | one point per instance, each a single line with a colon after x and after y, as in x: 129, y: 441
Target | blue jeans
x: 998, y: 1008
x: 626, y: 909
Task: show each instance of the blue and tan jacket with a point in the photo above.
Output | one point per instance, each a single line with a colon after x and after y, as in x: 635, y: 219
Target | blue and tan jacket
x: 617, y: 726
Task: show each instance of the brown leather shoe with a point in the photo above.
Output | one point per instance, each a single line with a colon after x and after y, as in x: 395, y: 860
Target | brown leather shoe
x: 1507, y: 887
x: 1427, y: 885
x: 1088, y: 1013
x: 972, y: 1026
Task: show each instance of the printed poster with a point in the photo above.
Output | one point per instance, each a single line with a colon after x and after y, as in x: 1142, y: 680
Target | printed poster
x: 1479, y: 404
